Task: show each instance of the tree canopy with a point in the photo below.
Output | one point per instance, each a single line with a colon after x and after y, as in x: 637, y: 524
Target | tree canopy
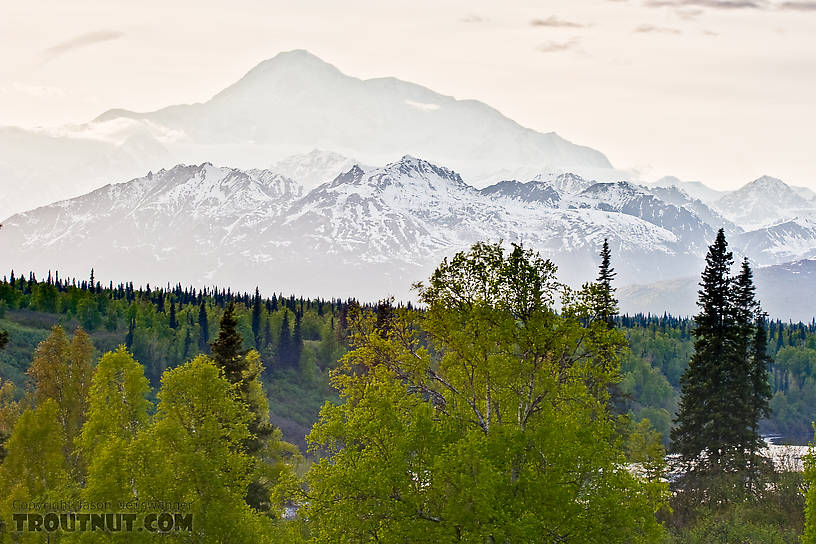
x: 483, y: 419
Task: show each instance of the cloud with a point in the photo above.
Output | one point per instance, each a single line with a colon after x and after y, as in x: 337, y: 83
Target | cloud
x: 38, y: 91
x: 472, y: 18
x: 83, y: 40
x: 689, y: 13
x: 555, y: 47
x: 648, y: 29
x: 799, y: 6
x: 719, y: 4
x: 555, y: 22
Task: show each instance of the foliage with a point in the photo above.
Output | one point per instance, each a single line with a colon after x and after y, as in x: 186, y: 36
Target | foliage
x: 497, y: 431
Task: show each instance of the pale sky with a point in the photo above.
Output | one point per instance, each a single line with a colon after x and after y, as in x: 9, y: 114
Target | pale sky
x: 721, y: 91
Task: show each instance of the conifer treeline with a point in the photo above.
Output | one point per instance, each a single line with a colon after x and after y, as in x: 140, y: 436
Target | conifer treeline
x: 168, y: 325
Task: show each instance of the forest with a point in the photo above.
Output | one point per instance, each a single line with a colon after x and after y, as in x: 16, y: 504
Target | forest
x: 335, y: 420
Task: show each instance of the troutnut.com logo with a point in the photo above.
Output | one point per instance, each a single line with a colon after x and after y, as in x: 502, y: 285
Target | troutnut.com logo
x: 82, y: 516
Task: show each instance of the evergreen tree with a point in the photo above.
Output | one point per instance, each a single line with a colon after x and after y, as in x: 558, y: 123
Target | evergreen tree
x: 608, y: 303
x: 759, y: 363
x: 243, y: 368
x: 256, y: 318
x: 173, y: 321
x: 227, y: 347
x: 724, y: 389
x: 703, y: 406
x: 204, y: 327
x: 285, y: 342
x: 129, y: 336
x: 297, y: 341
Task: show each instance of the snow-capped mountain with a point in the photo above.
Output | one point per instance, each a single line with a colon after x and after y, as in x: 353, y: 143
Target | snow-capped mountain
x: 290, y: 104
x: 627, y: 198
x: 366, y: 233
x: 804, y: 192
x: 781, y: 243
x: 531, y: 191
x: 763, y: 202
x: 678, y: 197
x: 695, y: 189
x: 315, y: 167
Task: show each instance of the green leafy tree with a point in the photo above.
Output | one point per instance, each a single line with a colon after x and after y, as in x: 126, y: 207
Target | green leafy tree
x: 61, y: 370
x: 10, y: 410
x: 192, y: 453
x: 482, y: 420
x: 117, y: 410
x: 35, y: 466
x: 809, y: 536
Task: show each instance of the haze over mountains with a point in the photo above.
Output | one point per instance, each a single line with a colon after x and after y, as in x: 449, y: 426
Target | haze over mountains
x: 292, y: 103
x: 314, y: 198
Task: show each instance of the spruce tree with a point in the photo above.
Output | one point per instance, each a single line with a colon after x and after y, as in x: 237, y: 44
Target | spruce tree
x: 243, y: 367
x: 606, y: 274
x: 704, y: 406
x: 759, y: 363
x: 297, y: 341
x: 256, y: 318
x: 725, y: 388
x: 284, y: 341
x: 204, y: 327
x: 173, y: 320
x: 227, y: 347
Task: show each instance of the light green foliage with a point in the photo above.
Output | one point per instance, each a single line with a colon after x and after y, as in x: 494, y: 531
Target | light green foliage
x: 117, y: 412
x: 497, y: 431
x: 645, y: 449
x: 61, y: 371
x: 35, y: 466
x: 191, y: 453
x: 809, y: 536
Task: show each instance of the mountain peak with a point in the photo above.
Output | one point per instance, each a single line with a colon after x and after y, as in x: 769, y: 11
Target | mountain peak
x: 292, y: 70
x: 409, y: 164
x: 767, y: 181
x: 300, y: 58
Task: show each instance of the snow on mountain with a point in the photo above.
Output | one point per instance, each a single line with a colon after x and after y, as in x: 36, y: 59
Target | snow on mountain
x: 545, y: 188
x: 290, y: 104
x: 297, y: 102
x: 637, y: 201
x: 763, y: 202
x: 532, y: 191
x: 804, y: 192
x: 567, y: 183
x: 695, y: 189
x: 781, y: 243
x: 313, y: 168
x: 367, y: 233
x: 177, y: 220
x: 678, y: 197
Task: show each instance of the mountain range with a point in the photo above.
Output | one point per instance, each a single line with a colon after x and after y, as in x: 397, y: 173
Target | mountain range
x: 289, y: 104
x: 370, y: 232
x: 316, y: 201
